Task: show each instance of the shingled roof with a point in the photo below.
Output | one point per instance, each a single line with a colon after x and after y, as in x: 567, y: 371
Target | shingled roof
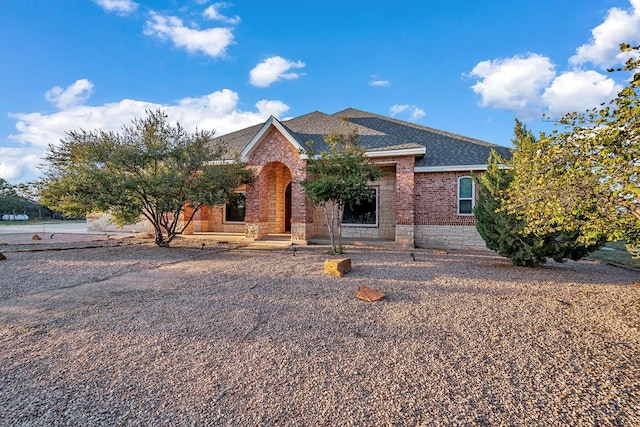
x: 379, y: 133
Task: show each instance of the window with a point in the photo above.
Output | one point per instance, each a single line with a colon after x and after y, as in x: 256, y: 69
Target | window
x: 465, y: 195
x: 234, y: 210
x: 364, y: 213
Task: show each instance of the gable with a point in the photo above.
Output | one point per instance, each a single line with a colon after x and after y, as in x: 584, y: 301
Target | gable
x: 271, y: 123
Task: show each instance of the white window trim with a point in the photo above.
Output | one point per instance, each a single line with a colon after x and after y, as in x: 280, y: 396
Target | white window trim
x: 377, y: 189
x: 224, y: 211
x: 459, y: 199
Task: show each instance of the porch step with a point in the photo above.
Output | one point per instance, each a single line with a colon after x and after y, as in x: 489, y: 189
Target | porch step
x: 271, y: 242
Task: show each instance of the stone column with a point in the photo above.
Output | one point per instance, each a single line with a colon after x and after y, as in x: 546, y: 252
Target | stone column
x: 257, y: 214
x: 204, y: 218
x: 301, y: 210
x: 186, y: 214
x: 405, y: 201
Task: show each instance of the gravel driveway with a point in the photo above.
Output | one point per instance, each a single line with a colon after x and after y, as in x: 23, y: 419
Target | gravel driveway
x: 128, y: 334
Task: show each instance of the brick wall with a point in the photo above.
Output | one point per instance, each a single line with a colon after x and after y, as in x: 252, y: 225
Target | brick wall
x: 436, y: 199
x: 438, y: 224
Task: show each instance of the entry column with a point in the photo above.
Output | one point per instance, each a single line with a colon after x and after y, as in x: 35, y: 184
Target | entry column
x: 257, y: 207
x: 405, y: 201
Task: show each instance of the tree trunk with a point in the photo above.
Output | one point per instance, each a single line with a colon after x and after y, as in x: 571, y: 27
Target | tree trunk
x: 330, y: 219
x: 340, y: 214
x: 159, y: 237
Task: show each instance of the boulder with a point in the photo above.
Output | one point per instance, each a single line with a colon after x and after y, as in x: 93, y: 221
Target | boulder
x: 36, y: 237
x: 337, y: 266
x: 366, y: 293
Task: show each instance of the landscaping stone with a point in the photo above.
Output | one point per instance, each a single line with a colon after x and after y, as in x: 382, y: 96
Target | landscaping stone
x: 337, y: 266
x: 36, y: 237
x: 366, y: 293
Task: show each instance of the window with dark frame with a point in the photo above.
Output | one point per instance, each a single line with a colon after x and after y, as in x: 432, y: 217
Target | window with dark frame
x: 465, y: 196
x: 364, y: 213
x: 235, y: 210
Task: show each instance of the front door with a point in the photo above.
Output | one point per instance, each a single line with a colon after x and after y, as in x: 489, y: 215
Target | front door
x: 287, y: 208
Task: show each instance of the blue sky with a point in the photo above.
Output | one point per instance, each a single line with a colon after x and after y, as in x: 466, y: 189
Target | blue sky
x: 468, y: 66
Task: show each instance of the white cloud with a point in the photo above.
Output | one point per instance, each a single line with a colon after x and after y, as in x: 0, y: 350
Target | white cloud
x: 119, y: 6
x: 619, y: 26
x: 17, y: 163
x: 76, y: 93
x: 210, y: 41
x: 529, y: 85
x: 512, y: 83
x: 397, y: 109
x: 273, y: 69
x: 578, y: 91
x: 415, y: 113
x: 379, y: 83
x: 35, y: 131
x: 212, y: 12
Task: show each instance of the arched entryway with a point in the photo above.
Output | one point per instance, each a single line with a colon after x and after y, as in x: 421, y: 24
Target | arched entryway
x: 274, y: 207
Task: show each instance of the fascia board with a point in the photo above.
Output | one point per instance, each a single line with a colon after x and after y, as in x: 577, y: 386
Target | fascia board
x: 450, y: 168
x: 396, y: 153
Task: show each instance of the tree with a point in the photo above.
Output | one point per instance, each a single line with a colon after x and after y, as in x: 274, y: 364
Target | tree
x: 11, y: 198
x: 339, y: 176
x: 506, y: 232
x: 150, y: 169
x: 588, y: 176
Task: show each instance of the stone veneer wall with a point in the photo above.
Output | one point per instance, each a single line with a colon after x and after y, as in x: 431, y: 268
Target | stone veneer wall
x: 386, y: 228
x: 462, y: 237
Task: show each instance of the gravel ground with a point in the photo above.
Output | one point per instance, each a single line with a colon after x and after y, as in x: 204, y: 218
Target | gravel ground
x: 128, y: 334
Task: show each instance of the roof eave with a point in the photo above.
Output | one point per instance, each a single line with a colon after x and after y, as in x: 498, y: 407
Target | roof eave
x: 415, y: 152
x: 450, y: 168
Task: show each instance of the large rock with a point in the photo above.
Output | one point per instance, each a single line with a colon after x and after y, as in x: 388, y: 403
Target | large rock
x: 337, y: 266
x: 366, y: 293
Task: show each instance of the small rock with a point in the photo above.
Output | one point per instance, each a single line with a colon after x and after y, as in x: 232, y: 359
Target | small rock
x: 36, y: 237
x: 144, y: 235
x: 2, y: 257
x: 366, y: 293
x: 337, y: 267
x: 440, y: 252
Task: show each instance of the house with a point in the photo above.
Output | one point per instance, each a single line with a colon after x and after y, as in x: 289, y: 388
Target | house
x: 425, y: 197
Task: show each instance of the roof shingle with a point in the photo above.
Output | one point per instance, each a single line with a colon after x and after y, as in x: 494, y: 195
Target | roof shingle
x: 377, y: 133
